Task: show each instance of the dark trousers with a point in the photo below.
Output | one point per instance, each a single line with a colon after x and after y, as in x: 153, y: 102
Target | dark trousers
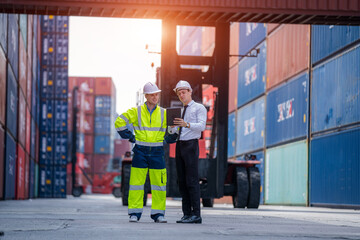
x: 187, y: 164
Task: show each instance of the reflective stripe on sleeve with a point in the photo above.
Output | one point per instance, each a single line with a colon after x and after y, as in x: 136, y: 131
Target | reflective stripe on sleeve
x: 124, y: 118
x: 121, y: 128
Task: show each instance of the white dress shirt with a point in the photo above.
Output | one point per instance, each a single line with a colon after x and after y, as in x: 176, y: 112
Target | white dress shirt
x: 196, y: 115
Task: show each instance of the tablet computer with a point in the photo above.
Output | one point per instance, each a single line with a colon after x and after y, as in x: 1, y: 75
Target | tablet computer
x: 171, y: 114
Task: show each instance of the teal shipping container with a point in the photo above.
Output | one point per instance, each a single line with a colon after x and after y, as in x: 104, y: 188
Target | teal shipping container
x: 286, y: 174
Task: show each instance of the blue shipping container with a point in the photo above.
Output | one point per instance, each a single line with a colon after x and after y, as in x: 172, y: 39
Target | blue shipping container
x: 327, y: 39
x: 13, y: 43
x: 47, y: 115
x: 3, y: 31
x: 62, y: 24
x: 34, y: 57
x: 103, y: 105
x: 31, y: 178
x: 61, y: 115
x: 103, y: 125
x: 62, y: 49
x: 260, y: 157
x: 59, y: 182
x: 102, y: 145
x: 47, y: 82
x: 61, y: 83
x: 46, y: 181
x: 252, y: 77
x: 32, y: 138
x: 334, y: 169
x: 61, y: 148
x: 48, y: 23
x: 231, y: 134
x: 335, y: 91
x: 48, y: 49
x: 250, y: 127
x: 251, y: 34
x: 287, y: 111
x: 10, y: 167
x: 46, y: 149
x: 11, y: 103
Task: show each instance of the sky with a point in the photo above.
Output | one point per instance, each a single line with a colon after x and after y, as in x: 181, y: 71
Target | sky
x: 115, y: 47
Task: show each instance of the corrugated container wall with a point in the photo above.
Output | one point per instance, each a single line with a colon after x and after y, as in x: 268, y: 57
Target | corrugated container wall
x: 233, y: 89
x: 286, y: 174
x: 11, y: 102
x: 234, y: 43
x: 3, y: 31
x: 334, y: 169
x: 287, y: 111
x: 327, y: 39
x: 2, y: 86
x: 13, y: 43
x: 10, y: 167
x: 288, y: 52
x: 250, y: 127
x: 231, y: 134
x: 208, y: 41
x: 335, y: 91
x: 2, y: 163
x: 20, y: 172
x: 251, y: 34
x: 252, y: 77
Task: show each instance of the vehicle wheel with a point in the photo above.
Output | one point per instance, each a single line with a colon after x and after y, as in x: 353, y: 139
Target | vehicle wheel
x: 116, y: 192
x: 254, y: 184
x: 77, y: 191
x: 208, y: 202
x: 240, y: 198
x: 125, y: 184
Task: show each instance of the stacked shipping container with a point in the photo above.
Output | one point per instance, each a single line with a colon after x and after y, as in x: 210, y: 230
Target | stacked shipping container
x: 19, y: 80
x: 53, y: 106
x: 269, y: 116
x: 95, y: 129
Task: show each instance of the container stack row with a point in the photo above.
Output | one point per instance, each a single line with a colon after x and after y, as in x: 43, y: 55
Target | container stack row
x: 53, y: 106
x: 95, y: 127
x: 296, y: 107
x: 19, y: 104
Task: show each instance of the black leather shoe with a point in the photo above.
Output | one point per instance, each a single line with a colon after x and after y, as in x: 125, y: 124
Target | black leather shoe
x: 183, y: 218
x: 192, y: 219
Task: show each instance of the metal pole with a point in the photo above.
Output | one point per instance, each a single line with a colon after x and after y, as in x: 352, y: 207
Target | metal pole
x: 74, y: 136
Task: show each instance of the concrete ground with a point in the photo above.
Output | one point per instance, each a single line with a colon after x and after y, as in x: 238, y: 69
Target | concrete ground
x: 104, y: 217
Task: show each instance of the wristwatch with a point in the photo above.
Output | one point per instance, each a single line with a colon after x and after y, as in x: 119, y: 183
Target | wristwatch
x: 187, y: 125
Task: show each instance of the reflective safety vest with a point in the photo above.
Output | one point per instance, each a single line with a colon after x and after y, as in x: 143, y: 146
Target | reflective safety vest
x: 149, y: 130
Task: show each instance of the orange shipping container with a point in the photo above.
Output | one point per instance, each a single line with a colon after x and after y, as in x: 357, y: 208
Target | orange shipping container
x: 234, y: 43
x: 288, y: 53
x: 20, y: 173
x: 271, y: 27
x: 104, y: 86
x: 208, y: 41
x: 233, y: 86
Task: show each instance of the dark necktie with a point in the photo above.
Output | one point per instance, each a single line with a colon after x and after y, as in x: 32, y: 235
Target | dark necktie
x: 183, y: 114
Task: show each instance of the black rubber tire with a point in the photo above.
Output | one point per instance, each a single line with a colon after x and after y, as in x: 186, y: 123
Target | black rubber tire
x: 208, y: 202
x: 77, y: 191
x: 125, y: 184
x: 116, y: 192
x: 254, y: 190
x: 240, y: 198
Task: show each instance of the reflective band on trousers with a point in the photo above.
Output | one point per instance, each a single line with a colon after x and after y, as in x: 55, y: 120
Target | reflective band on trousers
x: 156, y: 211
x: 135, y: 210
x: 136, y: 187
x: 158, y: 188
x: 149, y: 144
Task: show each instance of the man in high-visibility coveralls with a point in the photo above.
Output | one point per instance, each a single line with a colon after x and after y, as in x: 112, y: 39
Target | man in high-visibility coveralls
x: 149, y: 122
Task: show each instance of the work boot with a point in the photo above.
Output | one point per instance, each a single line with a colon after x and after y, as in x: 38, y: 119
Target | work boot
x: 161, y: 219
x: 133, y: 218
x: 193, y: 219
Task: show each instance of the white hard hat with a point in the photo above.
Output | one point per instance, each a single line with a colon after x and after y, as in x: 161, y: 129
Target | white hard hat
x: 182, y: 85
x: 150, y: 88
